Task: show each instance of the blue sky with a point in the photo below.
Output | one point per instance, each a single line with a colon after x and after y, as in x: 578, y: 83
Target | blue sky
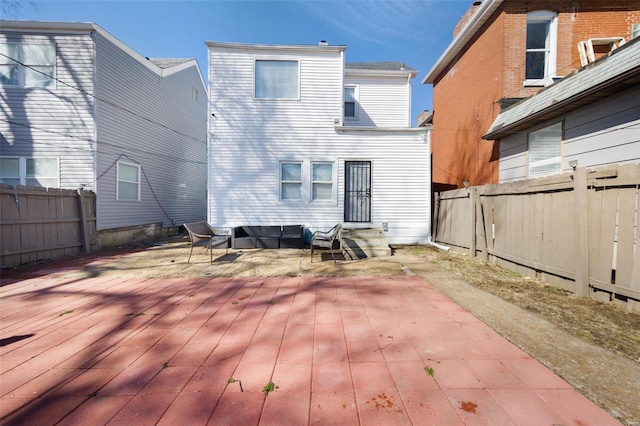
x: 415, y: 32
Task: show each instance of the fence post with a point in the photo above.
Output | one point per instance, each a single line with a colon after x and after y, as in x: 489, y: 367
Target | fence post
x: 472, y: 221
x: 581, y: 230
x: 436, y: 217
x: 83, y: 221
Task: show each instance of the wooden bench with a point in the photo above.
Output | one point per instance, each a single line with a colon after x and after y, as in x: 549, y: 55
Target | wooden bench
x: 202, y: 234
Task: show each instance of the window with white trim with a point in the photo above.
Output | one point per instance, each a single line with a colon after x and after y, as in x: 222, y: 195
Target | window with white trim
x: 128, y: 178
x: 322, y: 181
x: 39, y: 65
x: 541, y: 47
x: 276, y: 79
x: 290, y: 181
x: 42, y: 172
x: 545, y: 151
x: 350, y: 102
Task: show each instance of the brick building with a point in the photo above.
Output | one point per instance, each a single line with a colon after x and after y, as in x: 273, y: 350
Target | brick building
x: 503, y: 51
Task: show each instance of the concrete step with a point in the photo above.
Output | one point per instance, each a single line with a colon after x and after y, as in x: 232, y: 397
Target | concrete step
x: 364, y: 243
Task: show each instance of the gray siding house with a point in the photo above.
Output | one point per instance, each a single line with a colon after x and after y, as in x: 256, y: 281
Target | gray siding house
x: 80, y: 109
x: 590, y: 118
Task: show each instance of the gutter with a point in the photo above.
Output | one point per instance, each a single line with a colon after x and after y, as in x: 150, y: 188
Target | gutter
x: 478, y: 19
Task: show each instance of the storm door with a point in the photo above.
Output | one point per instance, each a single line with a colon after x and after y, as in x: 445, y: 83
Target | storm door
x: 357, y: 191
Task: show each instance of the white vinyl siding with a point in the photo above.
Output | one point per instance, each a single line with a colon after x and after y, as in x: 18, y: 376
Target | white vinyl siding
x: 382, y: 102
x: 545, y: 151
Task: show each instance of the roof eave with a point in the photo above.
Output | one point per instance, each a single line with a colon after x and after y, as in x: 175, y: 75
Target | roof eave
x: 478, y: 19
x: 278, y: 47
x: 375, y: 73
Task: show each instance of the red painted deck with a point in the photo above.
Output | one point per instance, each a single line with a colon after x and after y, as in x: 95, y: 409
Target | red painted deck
x: 198, y: 351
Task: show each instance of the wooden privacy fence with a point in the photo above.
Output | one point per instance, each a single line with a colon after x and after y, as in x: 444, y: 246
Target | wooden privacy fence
x: 41, y: 224
x: 579, y: 230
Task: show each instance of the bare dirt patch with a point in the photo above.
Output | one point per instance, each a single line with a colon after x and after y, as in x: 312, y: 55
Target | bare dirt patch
x: 594, y: 346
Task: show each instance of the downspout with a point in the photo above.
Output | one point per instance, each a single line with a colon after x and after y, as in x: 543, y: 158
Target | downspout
x: 409, y: 77
x: 208, y: 139
x: 96, y: 96
x: 436, y: 245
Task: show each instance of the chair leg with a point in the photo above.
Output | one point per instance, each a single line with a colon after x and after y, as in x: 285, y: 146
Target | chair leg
x: 190, y: 253
x: 312, y: 254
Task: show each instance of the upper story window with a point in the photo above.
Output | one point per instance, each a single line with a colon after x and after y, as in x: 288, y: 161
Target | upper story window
x: 351, y: 102
x: 545, y: 151
x: 275, y: 79
x: 39, y: 65
x: 128, y: 182
x: 541, y: 47
x: 43, y: 172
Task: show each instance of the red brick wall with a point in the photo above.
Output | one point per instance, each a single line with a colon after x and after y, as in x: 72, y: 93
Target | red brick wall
x: 492, y: 67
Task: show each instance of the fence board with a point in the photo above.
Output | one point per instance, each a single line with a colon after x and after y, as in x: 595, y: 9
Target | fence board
x: 566, y: 227
x: 41, y: 224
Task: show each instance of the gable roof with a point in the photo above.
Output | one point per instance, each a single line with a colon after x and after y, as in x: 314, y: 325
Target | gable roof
x: 468, y: 31
x: 167, y: 66
x: 610, y: 74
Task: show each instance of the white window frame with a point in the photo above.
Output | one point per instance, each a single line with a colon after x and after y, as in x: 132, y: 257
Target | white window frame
x: 332, y: 182
x: 22, y: 69
x: 550, y: 49
x: 255, y: 79
x: 356, y: 106
x: 118, y: 180
x: 534, y: 160
x: 22, y: 170
x: 281, y: 181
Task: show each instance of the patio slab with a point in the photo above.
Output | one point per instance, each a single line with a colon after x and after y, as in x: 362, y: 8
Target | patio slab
x: 340, y: 350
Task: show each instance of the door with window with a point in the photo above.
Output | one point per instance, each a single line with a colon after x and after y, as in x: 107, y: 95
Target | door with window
x: 357, y: 191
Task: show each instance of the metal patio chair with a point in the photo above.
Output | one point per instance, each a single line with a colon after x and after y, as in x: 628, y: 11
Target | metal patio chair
x: 201, y: 234
x: 326, y: 239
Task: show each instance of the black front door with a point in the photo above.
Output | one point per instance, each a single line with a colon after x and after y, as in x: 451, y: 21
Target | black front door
x: 357, y: 191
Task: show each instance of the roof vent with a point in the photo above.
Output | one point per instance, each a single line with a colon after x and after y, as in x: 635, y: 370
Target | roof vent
x: 323, y: 43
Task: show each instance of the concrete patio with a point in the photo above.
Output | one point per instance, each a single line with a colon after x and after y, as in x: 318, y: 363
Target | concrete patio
x: 341, y: 350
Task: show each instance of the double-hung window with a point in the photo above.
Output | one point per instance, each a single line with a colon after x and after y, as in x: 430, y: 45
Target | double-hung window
x: 42, y: 172
x: 277, y: 79
x: 128, y: 182
x: 545, y: 151
x: 541, y: 47
x: 350, y: 102
x: 27, y: 65
x: 322, y: 181
x: 291, y: 181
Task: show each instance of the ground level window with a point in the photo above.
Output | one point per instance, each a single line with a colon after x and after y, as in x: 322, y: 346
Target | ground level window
x: 42, y: 172
x: 322, y: 181
x: 545, y: 151
x: 128, y: 182
x: 290, y: 181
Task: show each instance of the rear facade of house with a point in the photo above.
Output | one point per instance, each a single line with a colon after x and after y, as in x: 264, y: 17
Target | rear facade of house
x: 83, y: 110
x: 503, y: 51
x: 296, y: 136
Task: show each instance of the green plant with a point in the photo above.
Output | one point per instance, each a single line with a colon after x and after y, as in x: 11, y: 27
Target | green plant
x: 269, y: 387
x: 232, y: 380
x: 234, y: 302
x: 271, y: 302
x: 131, y: 314
x: 65, y: 313
x: 429, y: 371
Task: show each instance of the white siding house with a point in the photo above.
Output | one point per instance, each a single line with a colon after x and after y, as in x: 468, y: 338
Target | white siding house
x: 590, y: 118
x: 288, y: 144
x: 84, y: 110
